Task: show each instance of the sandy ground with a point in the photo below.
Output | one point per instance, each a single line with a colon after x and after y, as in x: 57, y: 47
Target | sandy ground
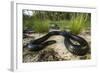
x: 55, y: 52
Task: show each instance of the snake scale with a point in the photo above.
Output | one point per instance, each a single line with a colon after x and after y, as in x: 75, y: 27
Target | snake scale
x: 79, y: 49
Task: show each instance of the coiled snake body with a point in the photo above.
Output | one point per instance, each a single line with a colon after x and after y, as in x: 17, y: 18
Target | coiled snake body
x: 78, y: 49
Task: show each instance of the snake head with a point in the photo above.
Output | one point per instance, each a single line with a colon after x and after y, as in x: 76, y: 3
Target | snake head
x: 30, y: 46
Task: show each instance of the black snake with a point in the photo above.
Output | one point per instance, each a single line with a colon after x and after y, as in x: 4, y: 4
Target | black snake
x: 78, y: 49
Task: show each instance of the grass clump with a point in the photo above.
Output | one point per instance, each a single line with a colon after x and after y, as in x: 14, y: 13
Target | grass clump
x: 41, y: 26
x: 77, y: 23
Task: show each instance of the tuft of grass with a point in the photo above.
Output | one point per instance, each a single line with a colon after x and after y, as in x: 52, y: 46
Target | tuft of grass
x: 41, y: 26
x: 77, y: 23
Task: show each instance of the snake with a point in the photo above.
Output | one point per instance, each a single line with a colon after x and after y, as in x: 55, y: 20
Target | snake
x: 80, y: 47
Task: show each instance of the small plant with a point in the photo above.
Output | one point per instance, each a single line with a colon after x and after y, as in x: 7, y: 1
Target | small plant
x: 41, y: 26
x: 64, y: 24
x: 78, y: 22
